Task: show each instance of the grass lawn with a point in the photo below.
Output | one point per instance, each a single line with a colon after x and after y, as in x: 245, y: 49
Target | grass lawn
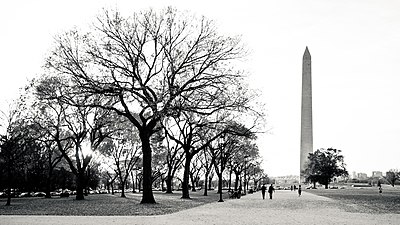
x: 365, y: 200
x: 107, y: 204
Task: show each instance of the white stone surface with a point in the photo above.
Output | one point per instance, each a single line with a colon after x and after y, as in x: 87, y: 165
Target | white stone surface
x: 306, y: 142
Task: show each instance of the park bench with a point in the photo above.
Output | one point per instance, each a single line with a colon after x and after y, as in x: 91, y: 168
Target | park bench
x: 234, y: 194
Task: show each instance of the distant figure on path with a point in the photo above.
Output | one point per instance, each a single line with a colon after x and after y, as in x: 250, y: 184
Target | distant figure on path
x: 291, y: 187
x: 270, y: 190
x: 299, y: 190
x: 263, y: 189
x: 380, y: 190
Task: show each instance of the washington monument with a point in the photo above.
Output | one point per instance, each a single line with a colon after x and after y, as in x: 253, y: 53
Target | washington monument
x: 306, y: 142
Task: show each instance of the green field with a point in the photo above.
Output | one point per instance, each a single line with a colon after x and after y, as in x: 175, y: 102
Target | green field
x: 106, y: 204
x: 366, y: 200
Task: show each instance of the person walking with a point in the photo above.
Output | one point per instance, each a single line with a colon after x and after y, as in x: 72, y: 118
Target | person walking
x: 379, y: 187
x: 271, y: 189
x: 299, y: 190
x: 263, y: 189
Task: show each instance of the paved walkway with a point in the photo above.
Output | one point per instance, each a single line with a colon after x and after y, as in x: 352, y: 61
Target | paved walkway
x: 285, y: 208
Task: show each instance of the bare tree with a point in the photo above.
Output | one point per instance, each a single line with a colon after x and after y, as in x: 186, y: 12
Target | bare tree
x: 174, y: 160
x: 13, y: 140
x: 149, y: 66
x: 195, y: 134
x: 84, y: 128
x: 221, y: 150
x: 195, y: 170
x: 47, y: 115
x: 242, y: 159
x: 110, y: 179
x: 257, y: 173
x: 226, y: 147
x: 207, y: 164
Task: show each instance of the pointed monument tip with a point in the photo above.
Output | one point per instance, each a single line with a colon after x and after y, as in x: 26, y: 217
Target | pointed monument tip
x: 307, y: 54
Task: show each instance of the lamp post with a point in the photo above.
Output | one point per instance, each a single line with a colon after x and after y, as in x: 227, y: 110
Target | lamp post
x: 220, y: 180
x: 248, y: 180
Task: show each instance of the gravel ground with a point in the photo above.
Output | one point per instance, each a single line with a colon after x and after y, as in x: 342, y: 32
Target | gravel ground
x: 285, y: 208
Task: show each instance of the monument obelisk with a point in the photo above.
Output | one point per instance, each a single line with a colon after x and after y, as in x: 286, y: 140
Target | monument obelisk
x: 306, y: 142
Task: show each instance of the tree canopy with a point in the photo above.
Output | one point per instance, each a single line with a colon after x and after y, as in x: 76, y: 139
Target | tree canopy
x: 148, y: 67
x: 323, y: 165
x: 392, y: 176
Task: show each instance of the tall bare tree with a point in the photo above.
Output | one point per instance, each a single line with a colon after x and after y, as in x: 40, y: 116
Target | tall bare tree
x: 149, y: 66
x: 125, y: 150
x: 13, y: 140
x: 226, y: 147
x: 85, y: 128
x: 196, y: 132
x: 208, y: 163
x: 174, y: 160
x: 240, y: 161
x: 195, y: 171
x: 48, y: 117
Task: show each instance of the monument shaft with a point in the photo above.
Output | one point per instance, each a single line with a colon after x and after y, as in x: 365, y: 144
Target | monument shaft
x: 306, y: 143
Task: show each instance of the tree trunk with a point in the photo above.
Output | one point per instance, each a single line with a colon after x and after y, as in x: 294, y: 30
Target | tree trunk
x: 8, y: 195
x: 236, y: 181
x: 168, y: 181
x: 48, y: 183
x: 205, y: 184
x: 147, y: 196
x: 162, y: 183
x: 185, y: 183
x: 133, y: 186
x: 9, y: 180
x: 220, y: 187
x: 209, y: 183
x: 87, y: 182
x: 326, y: 186
x: 193, y: 183
x: 123, y: 189
x: 230, y: 179
x: 80, y: 185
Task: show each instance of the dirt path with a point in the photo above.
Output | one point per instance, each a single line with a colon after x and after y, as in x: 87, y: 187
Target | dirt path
x: 285, y: 208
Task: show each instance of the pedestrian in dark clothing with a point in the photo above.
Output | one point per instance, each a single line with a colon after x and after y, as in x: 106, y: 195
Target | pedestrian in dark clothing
x: 291, y: 187
x: 263, y: 189
x: 270, y: 190
x: 299, y: 190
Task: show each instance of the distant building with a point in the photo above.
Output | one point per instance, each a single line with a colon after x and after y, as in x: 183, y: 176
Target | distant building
x: 286, y: 180
x: 377, y: 174
x: 354, y: 175
x: 362, y: 176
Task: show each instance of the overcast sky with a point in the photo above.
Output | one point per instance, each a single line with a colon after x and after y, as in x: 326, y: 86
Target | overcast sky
x: 355, y: 50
